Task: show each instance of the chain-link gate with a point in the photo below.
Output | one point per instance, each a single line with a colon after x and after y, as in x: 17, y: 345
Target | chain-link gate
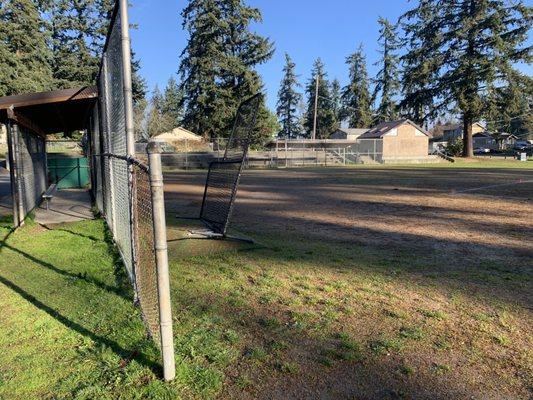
x: 123, y: 188
x: 28, y: 149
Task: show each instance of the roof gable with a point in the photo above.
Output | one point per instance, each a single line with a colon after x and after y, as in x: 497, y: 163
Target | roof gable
x: 385, y: 127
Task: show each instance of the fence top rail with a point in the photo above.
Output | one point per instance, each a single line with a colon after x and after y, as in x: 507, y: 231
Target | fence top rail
x: 129, y: 160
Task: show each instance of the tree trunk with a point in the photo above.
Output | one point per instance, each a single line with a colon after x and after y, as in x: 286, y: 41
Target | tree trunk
x: 468, y: 145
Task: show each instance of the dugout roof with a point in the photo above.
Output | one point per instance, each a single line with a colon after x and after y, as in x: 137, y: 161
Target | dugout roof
x: 56, y: 111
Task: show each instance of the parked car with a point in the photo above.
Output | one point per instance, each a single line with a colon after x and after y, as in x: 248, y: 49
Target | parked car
x: 521, y: 145
x: 481, y: 150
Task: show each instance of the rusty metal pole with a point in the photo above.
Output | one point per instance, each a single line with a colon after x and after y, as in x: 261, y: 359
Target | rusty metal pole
x: 160, y: 243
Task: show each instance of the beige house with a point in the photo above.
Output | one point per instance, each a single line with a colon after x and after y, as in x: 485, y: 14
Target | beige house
x: 395, y: 141
x: 455, y: 131
x: 178, y: 135
x: 350, y: 134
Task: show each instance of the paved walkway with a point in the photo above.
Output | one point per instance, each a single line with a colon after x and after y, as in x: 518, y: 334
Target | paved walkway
x: 69, y: 205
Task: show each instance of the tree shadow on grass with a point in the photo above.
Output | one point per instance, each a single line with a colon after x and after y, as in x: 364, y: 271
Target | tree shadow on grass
x: 117, y: 349
x: 123, y: 290
x: 112, y: 289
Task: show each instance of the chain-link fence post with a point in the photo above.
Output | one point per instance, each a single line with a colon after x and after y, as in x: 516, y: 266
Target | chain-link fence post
x: 160, y: 244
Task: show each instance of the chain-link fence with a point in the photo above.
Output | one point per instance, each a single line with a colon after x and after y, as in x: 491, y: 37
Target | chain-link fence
x: 29, y: 168
x: 146, y: 271
x: 123, y: 187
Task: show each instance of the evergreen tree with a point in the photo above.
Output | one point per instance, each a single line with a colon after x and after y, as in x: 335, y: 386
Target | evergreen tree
x: 218, y: 64
x: 171, y: 106
x: 24, y: 55
x: 420, y: 72
x: 326, y: 121
x: 479, y: 43
x: 288, y: 100
x: 199, y: 65
x: 140, y: 103
x: 75, y: 39
x: 356, y: 95
x: 336, y: 100
x: 387, y: 83
x: 157, y: 120
x: 138, y: 83
x: 511, y: 106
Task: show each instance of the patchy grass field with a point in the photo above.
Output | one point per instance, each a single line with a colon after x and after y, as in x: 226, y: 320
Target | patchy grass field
x: 381, y: 282
x: 366, y: 283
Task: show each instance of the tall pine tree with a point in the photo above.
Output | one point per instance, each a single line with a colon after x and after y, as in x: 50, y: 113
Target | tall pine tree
x: 157, y: 122
x: 25, y: 59
x: 387, y: 82
x: 420, y: 72
x: 288, y: 101
x: 356, y: 100
x: 326, y: 121
x: 75, y: 38
x: 218, y: 64
x: 171, y: 106
x: 479, y: 43
x: 336, y: 100
x: 511, y: 106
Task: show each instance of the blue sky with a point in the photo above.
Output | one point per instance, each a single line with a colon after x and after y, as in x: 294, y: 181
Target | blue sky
x: 306, y: 29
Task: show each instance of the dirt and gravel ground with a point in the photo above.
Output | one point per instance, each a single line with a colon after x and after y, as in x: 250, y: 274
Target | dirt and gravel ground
x: 456, y: 213
x: 425, y: 272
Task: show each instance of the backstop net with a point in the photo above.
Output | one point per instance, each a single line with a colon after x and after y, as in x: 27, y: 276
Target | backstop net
x: 28, y: 158
x: 121, y: 183
x: 224, y: 175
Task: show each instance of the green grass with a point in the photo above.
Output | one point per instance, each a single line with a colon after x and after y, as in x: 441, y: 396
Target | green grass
x: 68, y: 327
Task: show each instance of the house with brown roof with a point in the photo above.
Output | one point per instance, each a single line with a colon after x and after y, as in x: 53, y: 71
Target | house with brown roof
x: 396, y: 142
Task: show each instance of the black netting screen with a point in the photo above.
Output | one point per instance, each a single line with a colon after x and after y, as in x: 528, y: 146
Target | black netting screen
x: 223, y: 176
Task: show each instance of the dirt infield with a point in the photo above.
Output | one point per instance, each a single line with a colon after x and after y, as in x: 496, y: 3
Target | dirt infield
x: 481, y: 213
x: 427, y: 269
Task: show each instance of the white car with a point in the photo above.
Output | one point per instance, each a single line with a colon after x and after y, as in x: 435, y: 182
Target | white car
x: 481, y: 150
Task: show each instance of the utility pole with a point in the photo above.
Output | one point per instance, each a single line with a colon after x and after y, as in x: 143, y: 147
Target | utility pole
x: 316, y: 106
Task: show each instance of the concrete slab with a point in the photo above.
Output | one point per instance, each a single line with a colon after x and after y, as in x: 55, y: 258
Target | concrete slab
x: 69, y: 205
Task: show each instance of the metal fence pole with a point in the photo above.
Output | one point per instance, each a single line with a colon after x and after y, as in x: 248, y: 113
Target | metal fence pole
x: 12, y: 172
x: 160, y: 244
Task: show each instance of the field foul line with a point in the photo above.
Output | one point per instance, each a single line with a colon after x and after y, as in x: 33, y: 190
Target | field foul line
x: 491, y: 186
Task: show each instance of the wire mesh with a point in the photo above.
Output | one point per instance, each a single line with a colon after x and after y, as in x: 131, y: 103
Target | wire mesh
x: 146, y: 269
x: 30, y: 165
x: 223, y: 176
x: 116, y: 180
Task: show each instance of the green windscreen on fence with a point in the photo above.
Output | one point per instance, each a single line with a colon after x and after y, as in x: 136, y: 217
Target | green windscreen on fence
x: 68, y: 172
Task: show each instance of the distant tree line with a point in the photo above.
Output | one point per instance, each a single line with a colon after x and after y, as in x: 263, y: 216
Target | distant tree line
x: 55, y: 44
x: 441, y: 58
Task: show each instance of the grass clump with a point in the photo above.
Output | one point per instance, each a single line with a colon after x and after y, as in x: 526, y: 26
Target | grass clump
x: 288, y: 367
x: 413, y: 333
x: 441, y: 369
x: 434, y: 314
x: 385, y: 346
